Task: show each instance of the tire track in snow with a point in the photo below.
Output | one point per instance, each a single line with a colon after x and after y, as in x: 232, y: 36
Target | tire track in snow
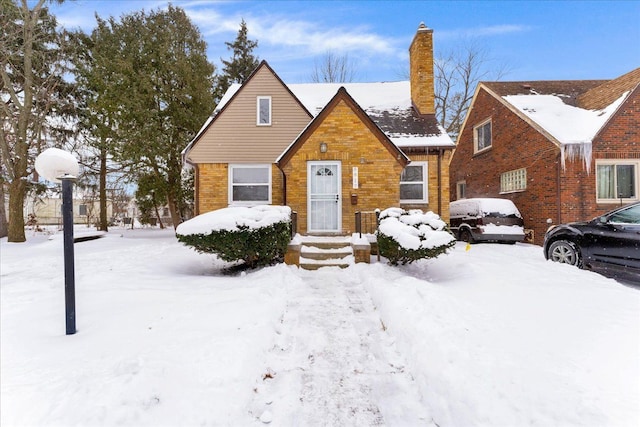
x: 333, y: 364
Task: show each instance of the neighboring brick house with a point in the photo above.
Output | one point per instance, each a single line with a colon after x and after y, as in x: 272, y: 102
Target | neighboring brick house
x: 560, y: 150
x: 326, y: 150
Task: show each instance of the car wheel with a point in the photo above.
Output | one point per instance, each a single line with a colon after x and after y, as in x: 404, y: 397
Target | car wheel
x: 565, y: 252
x: 465, y: 236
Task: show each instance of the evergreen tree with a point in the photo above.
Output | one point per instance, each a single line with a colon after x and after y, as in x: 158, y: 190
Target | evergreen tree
x: 97, y: 88
x: 157, y: 92
x: 35, y: 98
x: 241, y: 64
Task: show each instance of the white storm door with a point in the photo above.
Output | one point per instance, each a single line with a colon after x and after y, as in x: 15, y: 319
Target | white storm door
x: 324, y: 203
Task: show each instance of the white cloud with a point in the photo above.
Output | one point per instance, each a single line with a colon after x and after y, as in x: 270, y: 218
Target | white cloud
x: 309, y: 38
x: 492, y: 30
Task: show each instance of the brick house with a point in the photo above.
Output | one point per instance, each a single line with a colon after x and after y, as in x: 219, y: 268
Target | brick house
x: 560, y: 150
x: 326, y: 150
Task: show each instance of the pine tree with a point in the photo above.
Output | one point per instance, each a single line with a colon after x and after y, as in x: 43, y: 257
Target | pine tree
x: 152, y: 84
x: 241, y: 64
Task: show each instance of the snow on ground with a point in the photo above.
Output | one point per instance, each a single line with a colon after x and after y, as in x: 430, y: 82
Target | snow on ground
x: 491, y: 336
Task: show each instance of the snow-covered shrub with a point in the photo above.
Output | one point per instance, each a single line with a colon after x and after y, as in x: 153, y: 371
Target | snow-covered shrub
x: 258, y: 236
x: 407, y: 236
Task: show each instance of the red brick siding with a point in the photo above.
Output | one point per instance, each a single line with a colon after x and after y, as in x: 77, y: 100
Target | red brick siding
x: 515, y: 144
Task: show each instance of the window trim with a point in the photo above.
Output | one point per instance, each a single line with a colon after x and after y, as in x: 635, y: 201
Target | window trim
x: 230, y: 184
x: 258, y: 99
x: 475, y: 136
x: 514, y: 172
x: 616, y: 162
x: 425, y: 183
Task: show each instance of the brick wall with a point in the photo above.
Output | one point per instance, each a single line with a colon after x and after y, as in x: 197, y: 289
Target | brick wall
x: 563, y: 195
x: 421, y: 71
x: 352, y: 143
x: 515, y: 145
x: 618, y: 140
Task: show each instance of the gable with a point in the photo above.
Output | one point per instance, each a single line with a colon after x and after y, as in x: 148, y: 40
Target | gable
x: 233, y: 136
x: 623, y: 127
x: 347, y: 122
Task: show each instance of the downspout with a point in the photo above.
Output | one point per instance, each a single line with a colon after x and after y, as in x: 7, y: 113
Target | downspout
x: 440, y: 182
x: 284, y: 185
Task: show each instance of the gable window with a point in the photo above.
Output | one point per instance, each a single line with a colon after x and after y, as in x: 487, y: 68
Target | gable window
x: 482, y: 136
x: 249, y: 184
x: 413, y: 183
x: 515, y: 180
x: 617, y: 180
x: 263, y: 110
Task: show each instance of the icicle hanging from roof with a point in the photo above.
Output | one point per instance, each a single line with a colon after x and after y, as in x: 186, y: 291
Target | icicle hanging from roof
x: 572, y: 152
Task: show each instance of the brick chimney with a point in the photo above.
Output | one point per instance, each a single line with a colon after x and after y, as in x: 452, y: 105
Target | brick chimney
x: 421, y: 71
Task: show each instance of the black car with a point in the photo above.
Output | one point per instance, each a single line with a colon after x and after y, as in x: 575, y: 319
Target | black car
x: 609, y: 244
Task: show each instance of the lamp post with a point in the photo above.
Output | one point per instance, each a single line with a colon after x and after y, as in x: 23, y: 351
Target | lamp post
x: 69, y: 257
x: 59, y: 166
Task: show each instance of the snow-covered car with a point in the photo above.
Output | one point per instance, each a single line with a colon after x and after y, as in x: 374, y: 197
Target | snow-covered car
x: 486, y: 220
x: 609, y: 244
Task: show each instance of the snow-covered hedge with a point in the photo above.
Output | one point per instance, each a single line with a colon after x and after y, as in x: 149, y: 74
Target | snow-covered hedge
x: 258, y: 235
x: 407, y: 236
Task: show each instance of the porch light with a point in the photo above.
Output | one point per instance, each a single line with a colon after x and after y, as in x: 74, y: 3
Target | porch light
x: 323, y: 147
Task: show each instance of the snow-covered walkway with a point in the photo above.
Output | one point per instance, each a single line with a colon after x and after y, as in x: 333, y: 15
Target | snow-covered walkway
x: 491, y: 336
x: 333, y: 362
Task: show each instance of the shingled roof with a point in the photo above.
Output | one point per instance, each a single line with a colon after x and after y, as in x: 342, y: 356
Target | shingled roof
x: 568, y: 90
x: 569, y: 112
x: 600, y: 96
x: 388, y: 104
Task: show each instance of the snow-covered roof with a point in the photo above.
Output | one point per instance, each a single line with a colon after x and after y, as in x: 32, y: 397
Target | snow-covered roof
x: 566, y: 123
x: 387, y: 103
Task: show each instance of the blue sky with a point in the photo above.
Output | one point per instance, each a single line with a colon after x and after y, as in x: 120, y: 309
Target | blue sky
x: 536, y: 40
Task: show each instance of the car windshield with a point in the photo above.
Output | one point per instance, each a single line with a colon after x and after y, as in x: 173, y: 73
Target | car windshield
x: 631, y: 215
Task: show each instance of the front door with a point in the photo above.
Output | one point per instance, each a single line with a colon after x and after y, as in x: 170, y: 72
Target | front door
x: 324, y: 203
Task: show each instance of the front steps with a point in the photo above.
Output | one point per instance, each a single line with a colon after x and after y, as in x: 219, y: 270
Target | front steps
x: 317, y: 251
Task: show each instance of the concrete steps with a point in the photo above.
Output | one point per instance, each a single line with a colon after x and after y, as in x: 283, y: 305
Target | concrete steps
x: 321, y: 251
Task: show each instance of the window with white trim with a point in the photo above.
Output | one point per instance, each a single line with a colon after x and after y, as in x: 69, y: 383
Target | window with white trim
x: 82, y: 210
x: 263, y: 111
x: 515, y: 180
x: 249, y: 184
x: 617, y: 180
x: 482, y: 136
x: 413, y: 183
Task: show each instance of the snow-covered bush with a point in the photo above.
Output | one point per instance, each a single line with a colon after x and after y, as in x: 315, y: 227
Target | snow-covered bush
x: 258, y: 235
x: 407, y: 236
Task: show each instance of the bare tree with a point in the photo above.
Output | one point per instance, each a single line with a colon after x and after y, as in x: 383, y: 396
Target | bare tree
x: 4, y: 230
x: 32, y: 66
x: 457, y: 73
x: 333, y: 68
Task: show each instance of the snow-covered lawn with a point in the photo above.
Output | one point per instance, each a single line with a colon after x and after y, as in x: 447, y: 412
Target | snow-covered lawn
x: 493, y: 336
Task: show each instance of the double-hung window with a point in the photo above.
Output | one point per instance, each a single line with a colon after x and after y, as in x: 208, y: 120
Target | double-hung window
x: 249, y: 184
x: 482, y: 136
x: 413, y: 183
x: 263, y: 111
x: 617, y: 180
